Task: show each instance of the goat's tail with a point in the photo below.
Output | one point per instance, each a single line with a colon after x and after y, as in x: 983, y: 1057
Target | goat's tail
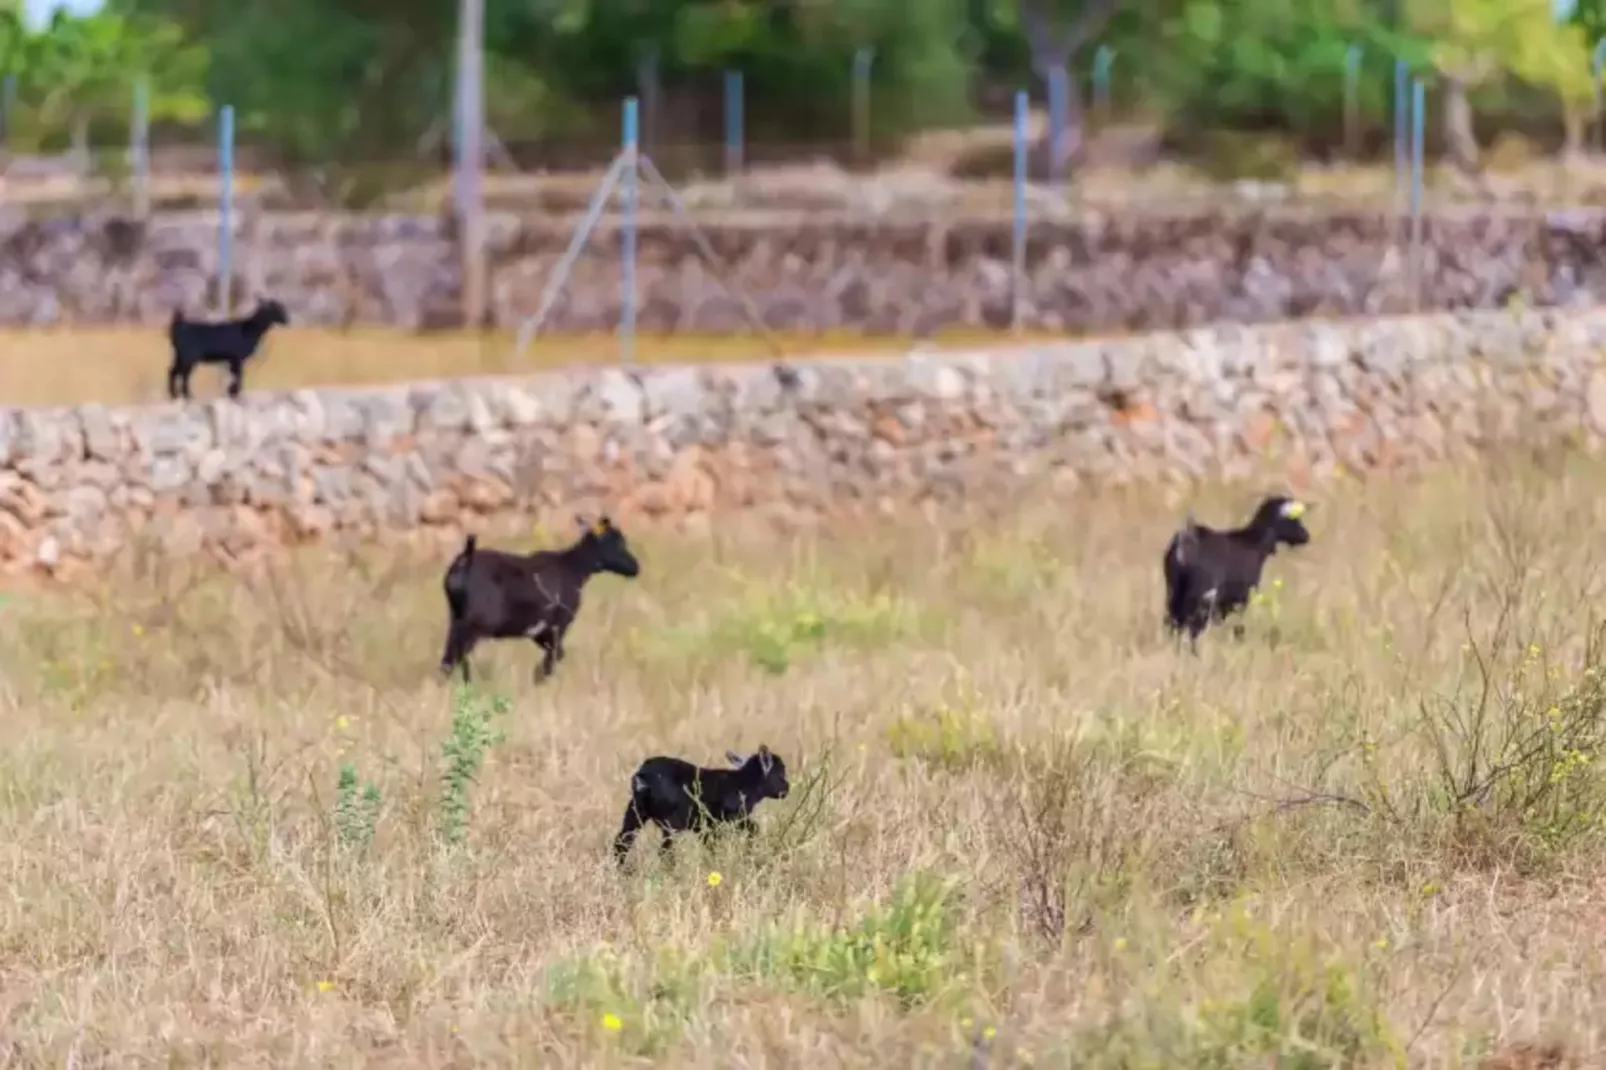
x: 1187, y: 537
x: 457, y: 576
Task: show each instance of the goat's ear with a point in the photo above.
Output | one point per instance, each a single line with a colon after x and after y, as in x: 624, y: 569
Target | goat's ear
x: 765, y: 759
x: 1293, y: 509
x: 735, y: 759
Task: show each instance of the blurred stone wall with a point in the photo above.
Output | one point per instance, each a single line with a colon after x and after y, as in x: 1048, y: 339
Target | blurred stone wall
x: 795, y: 442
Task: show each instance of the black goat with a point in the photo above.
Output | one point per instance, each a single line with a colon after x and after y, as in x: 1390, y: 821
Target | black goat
x: 678, y: 796
x: 232, y: 342
x: 496, y: 595
x: 1210, y: 574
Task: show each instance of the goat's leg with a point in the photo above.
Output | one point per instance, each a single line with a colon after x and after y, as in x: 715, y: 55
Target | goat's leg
x: 1196, y: 626
x: 549, y: 656
x: 460, y: 639
x: 236, y: 377
x: 178, y: 380
x: 627, y: 832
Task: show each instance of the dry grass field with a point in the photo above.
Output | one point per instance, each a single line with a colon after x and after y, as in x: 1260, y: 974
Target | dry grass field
x: 123, y: 365
x: 242, y: 823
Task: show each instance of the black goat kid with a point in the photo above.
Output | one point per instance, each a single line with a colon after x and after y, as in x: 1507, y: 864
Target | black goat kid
x: 678, y: 796
x: 232, y: 342
x: 491, y: 594
x: 1210, y: 574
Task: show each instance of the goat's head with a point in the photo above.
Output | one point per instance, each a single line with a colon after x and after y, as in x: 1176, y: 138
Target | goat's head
x: 606, y: 546
x: 765, y: 767
x: 1282, y: 519
x: 270, y: 312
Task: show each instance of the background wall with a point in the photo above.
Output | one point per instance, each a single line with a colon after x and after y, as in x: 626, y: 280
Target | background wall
x: 792, y: 442
x: 808, y: 271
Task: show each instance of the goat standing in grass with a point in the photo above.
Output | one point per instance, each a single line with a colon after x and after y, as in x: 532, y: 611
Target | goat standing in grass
x: 491, y: 594
x: 678, y: 796
x: 232, y: 342
x: 1210, y: 574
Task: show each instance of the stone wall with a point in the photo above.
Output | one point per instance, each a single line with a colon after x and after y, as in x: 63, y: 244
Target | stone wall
x: 810, y: 271
x: 790, y: 441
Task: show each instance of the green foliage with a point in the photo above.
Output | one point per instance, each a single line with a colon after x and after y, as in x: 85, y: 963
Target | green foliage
x: 1515, y: 774
x: 911, y: 948
x: 1265, y: 62
x: 643, y: 1011
x: 473, y: 733
x: 775, y: 627
x: 1480, y: 42
x: 353, y: 86
x: 355, y: 811
x: 951, y: 736
x: 82, y: 69
x: 1302, y: 1008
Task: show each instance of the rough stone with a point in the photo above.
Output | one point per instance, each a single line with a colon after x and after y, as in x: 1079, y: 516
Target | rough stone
x: 824, y: 270
x: 796, y: 442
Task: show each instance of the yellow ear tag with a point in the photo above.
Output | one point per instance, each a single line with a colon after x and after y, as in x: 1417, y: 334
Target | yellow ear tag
x: 1294, y: 510
x: 599, y: 528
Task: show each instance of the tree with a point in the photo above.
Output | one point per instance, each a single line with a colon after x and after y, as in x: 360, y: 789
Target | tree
x: 1478, y: 41
x: 1054, y: 31
x: 86, y: 67
x: 1268, y: 63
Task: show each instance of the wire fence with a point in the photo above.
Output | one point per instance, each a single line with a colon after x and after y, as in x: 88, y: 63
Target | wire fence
x: 706, y: 140
x: 1018, y: 170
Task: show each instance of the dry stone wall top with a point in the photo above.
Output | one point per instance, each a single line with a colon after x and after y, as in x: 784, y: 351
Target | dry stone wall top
x: 810, y: 271
x: 795, y: 442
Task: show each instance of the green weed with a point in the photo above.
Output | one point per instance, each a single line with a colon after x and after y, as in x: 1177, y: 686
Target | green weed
x: 356, y: 810
x: 642, y: 1011
x: 775, y: 628
x: 948, y: 736
x: 911, y: 948
x: 471, y: 736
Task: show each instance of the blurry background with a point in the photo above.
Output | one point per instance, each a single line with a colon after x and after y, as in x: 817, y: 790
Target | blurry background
x: 349, y: 102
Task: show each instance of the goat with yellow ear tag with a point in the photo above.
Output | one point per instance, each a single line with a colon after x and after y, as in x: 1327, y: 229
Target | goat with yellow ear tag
x: 1210, y: 574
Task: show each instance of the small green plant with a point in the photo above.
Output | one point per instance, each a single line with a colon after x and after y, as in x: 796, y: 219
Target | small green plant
x: 910, y: 948
x: 774, y: 629
x: 473, y: 733
x: 1513, y: 751
x: 643, y: 1010
x: 1004, y: 565
x: 1303, y: 1007
x: 950, y: 737
x: 356, y: 810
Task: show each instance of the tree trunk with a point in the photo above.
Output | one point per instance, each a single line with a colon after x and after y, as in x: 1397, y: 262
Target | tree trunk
x: 1052, y: 49
x: 1460, y: 141
x: 80, y: 143
x: 1576, y: 121
x: 1070, y: 143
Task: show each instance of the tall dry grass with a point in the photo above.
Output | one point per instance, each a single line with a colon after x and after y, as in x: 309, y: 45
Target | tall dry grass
x: 128, y: 365
x: 242, y: 823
